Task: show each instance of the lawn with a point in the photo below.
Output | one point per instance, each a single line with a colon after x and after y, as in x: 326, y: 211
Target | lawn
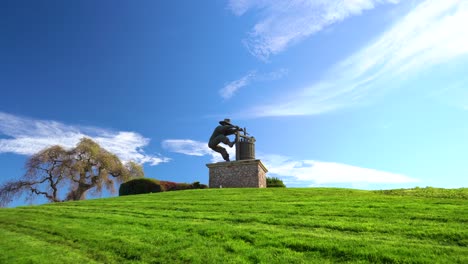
x: 275, y: 225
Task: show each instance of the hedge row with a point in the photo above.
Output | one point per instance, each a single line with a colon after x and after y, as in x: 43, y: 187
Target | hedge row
x: 148, y: 185
x: 273, y: 182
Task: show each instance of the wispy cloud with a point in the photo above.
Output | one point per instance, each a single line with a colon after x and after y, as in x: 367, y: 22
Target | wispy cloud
x: 433, y: 33
x: 27, y: 136
x: 301, y: 172
x: 231, y: 88
x: 312, y: 172
x: 271, y: 76
x: 195, y: 148
x: 287, y: 22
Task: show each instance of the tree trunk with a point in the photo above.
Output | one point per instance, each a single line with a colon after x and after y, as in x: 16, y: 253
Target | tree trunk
x: 79, y: 193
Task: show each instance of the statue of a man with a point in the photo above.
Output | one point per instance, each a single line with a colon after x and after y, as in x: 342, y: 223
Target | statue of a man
x: 220, y: 134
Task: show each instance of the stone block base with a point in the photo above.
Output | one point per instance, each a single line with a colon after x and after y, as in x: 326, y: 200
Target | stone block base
x: 237, y: 174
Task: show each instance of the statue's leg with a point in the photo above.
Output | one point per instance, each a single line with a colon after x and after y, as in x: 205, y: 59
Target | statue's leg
x: 226, y: 141
x: 213, y: 144
x: 223, y: 152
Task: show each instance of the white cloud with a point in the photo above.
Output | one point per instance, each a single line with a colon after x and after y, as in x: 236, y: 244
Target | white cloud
x: 433, y: 33
x: 28, y: 136
x: 312, y: 172
x: 301, y: 172
x: 187, y: 147
x: 231, y: 88
x: 196, y: 148
x: 287, y: 22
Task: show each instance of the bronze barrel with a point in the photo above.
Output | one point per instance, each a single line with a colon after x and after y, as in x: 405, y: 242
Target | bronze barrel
x: 245, y: 148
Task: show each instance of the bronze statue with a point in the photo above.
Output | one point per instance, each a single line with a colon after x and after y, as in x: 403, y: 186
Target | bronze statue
x: 220, y: 134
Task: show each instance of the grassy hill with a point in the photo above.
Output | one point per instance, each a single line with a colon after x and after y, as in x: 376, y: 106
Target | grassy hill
x: 243, y: 226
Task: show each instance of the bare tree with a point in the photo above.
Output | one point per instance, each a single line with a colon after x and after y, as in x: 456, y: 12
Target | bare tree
x: 83, y: 168
x: 45, y: 172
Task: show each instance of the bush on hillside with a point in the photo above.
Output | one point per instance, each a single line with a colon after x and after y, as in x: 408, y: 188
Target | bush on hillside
x: 183, y: 186
x: 146, y: 185
x: 169, y: 186
x: 140, y: 186
x: 274, y: 182
x: 176, y: 186
x: 198, y: 185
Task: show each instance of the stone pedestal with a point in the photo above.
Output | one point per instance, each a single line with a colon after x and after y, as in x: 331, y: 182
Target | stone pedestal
x: 238, y: 174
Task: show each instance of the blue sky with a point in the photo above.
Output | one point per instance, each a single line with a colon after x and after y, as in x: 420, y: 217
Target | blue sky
x: 360, y: 94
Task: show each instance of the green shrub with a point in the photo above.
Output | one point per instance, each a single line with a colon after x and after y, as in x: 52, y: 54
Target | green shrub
x: 274, y: 182
x: 183, y: 186
x: 139, y: 186
x: 178, y: 186
x: 147, y: 185
x: 197, y: 185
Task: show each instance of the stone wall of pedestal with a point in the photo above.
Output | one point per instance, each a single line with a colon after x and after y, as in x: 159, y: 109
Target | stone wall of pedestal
x: 237, y: 174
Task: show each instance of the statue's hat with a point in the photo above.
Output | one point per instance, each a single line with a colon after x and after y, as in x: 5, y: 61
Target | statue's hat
x: 226, y: 121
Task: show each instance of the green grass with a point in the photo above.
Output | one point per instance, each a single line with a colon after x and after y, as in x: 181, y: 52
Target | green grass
x: 315, y: 225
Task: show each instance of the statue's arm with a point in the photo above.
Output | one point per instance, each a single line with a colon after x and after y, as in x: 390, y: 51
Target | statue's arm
x: 232, y: 129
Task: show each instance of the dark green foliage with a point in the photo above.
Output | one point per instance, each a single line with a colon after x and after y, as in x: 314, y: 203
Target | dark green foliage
x: 187, y: 186
x: 183, y: 186
x: 274, y: 182
x: 139, y: 186
x: 177, y: 186
x: 198, y: 185
x: 145, y: 185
